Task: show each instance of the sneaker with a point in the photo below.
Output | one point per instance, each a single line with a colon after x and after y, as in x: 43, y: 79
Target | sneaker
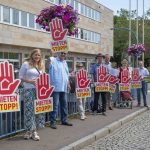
x: 110, y: 108
x: 138, y: 105
x: 67, y: 124
x: 99, y: 111
x: 28, y: 135
x: 82, y: 117
x: 35, y: 136
x: 104, y: 114
x: 53, y: 126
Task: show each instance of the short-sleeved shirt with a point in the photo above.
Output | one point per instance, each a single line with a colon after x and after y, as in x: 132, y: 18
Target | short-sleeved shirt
x: 108, y: 66
x: 59, y: 75
x: 29, y: 73
x: 93, y: 71
x: 143, y: 72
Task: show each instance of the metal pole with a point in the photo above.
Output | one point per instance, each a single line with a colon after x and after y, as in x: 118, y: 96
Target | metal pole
x: 137, y: 31
x: 137, y: 23
x: 143, y: 28
x: 127, y: 29
x: 129, y: 23
x: 129, y: 59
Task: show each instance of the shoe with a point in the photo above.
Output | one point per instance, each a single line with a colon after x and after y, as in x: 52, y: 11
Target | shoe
x: 146, y: 105
x: 28, y: 135
x: 93, y: 113
x: 82, y: 118
x: 98, y: 112
x: 35, y: 136
x: 104, y: 114
x: 53, y: 126
x: 138, y: 105
x: 67, y: 124
x: 110, y: 108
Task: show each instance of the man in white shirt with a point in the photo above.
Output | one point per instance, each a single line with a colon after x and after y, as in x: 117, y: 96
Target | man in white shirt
x: 107, y: 64
x: 144, y: 73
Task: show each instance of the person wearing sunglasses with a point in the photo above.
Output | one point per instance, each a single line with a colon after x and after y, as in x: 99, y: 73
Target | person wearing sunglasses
x: 59, y: 77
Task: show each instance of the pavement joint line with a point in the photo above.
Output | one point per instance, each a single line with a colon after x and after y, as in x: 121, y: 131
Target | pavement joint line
x: 81, y: 143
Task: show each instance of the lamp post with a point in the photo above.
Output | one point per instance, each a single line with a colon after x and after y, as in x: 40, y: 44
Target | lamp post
x: 135, y: 38
x: 127, y: 29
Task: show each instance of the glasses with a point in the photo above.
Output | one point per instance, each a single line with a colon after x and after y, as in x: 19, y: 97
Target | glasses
x: 62, y: 53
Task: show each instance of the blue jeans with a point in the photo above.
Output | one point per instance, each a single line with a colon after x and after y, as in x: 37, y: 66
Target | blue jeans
x: 143, y: 89
x: 59, y: 98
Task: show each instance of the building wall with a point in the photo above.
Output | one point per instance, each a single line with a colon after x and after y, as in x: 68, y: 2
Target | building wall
x: 22, y: 39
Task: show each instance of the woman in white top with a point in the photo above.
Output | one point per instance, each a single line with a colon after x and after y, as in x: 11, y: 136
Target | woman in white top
x: 29, y: 72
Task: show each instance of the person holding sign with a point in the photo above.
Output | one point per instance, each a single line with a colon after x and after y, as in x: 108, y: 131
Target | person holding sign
x: 144, y: 73
x: 29, y: 72
x: 59, y: 76
x: 108, y: 94
x: 124, y: 76
x: 81, y: 101
x: 94, y: 72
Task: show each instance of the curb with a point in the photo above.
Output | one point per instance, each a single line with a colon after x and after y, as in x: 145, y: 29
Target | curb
x: 102, y: 132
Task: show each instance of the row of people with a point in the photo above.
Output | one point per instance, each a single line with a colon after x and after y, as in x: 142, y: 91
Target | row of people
x: 59, y: 78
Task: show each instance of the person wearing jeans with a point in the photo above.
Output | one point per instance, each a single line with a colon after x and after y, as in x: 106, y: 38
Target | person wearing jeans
x: 59, y: 78
x: 144, y: 73
x: 93, y: 71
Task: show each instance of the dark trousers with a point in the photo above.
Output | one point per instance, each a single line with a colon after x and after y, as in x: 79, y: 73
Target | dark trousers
x: 103, y: 100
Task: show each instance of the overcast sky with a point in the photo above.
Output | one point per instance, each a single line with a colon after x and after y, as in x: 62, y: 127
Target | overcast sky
x: 117, y: 4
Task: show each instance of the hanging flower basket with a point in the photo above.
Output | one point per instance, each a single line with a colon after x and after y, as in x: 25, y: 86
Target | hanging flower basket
x: 136, y: 49
x: 69, y: 16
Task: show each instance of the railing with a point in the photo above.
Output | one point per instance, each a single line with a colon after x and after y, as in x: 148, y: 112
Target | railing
x: 13, y: 122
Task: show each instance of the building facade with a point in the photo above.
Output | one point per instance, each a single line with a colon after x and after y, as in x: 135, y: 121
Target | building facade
x: 19, y: 33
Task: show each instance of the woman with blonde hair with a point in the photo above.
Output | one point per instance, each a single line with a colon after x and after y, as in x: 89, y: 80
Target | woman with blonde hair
x: 29, y: 72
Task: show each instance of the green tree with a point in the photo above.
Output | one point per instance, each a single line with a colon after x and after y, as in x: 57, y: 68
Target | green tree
x: 121, y: 20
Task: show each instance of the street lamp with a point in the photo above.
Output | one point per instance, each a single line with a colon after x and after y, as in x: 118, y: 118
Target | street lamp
x: 127, y: 29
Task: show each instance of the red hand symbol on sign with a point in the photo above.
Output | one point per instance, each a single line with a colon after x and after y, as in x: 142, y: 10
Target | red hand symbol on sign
x: 102, y: 74
x: 44, y: 90
x: 135, y: 75
x: 125, y: 76
x: 82, y: 81
x: 56, y: 27
x: 113, y: 79
x: 7, y: 82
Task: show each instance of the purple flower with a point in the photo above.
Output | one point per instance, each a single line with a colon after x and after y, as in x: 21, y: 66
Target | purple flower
x: 137, y: 49
x: 69, y: 16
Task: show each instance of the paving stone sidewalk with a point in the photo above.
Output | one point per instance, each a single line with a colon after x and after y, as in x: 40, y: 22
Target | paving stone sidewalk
x: 134, y: 135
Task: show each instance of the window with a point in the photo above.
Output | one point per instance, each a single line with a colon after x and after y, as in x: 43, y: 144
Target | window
x: 38, y: 26
x: 86, y: 11
x: 13, y: 56
x: 89, y: 36
x: 89, y: 12
x: 31, y: 21
x: 15, y: 17
x: 82, y: 9
x: 0, y: 12
x: 81, y: 34
x: 76, y: 5
x: 1, y: 54
x: 72, y: 3
x: 6, y: 14
x: 92, y: 13
x: 85, y: 34
x: 24, y: 19
x: 98, y: 38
